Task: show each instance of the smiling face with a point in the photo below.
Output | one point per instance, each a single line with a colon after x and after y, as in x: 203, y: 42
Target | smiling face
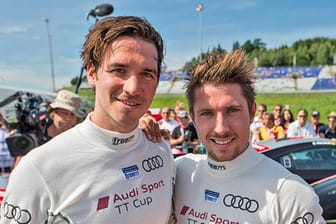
x: 125, y: 84
x: 287, y: 115
x: 302, y: 117
x: 222, y: 119
x: 261, y: 111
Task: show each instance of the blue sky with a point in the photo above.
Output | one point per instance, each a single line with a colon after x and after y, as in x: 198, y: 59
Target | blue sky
x: 24, y: 51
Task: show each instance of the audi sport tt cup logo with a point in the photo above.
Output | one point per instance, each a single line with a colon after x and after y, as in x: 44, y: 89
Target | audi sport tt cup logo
x: 240, y: 202
x: 16, y: 213
x: 152, y: 163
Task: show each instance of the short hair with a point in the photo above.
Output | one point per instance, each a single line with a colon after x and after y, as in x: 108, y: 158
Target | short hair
x: 164, y: 108
x: 222, y: 68
x: 269, y: 116
x: 264, y: 106
x: 278, y: 105
x: 305, y: 111
x: 109, y: 29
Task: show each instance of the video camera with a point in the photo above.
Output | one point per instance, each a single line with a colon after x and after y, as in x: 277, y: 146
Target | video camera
x: 30, y: 121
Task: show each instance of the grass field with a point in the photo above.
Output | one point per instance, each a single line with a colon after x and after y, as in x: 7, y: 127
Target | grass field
x: 325, y: 102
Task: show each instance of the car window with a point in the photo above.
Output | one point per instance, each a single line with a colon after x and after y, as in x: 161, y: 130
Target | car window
x: 312, y: 159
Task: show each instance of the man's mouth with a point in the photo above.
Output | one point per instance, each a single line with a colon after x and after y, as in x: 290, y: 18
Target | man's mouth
x: 128, y: 103
x: 222, y: 142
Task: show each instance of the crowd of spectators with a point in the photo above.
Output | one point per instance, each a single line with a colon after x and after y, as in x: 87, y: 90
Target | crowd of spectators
x: 183, y: 136
x: 271, y: 125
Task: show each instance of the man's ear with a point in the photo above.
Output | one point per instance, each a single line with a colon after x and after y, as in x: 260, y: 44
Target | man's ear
x: 91, y: 75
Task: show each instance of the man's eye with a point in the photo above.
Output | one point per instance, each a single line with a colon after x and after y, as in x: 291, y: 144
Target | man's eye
x: 205, y: 113
x: 118, y: 70
x: 148, y: 75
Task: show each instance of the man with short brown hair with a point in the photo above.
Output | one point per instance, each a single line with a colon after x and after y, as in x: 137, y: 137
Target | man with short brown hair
x: 103, y: 170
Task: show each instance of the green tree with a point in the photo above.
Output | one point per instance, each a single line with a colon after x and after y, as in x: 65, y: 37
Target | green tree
x: 248, y: 46
x: 258, y: 44
x: 189, y: 65
x: 322, y: 55
x: 310, y: 52
x: 302, y: 56
x: 75, y: 80
x: 235, y: 45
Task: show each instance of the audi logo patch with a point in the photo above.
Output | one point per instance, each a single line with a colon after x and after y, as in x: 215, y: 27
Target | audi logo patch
x: 16, y: 213
x: 152, y: 163
x: 240, y: 202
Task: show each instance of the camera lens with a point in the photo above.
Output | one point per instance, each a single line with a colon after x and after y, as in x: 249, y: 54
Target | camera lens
x: 20, y: 145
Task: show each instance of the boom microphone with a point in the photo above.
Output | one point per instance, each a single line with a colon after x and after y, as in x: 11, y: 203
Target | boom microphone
x: 101, y: 10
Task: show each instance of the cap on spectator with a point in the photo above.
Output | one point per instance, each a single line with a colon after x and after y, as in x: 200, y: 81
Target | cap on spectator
x: 69, y: 101
x: 182, y: 114
x: 332, y: 114
x: 315, y: 113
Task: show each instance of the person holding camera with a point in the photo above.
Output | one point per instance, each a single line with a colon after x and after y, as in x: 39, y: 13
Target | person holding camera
x: 64, y: 113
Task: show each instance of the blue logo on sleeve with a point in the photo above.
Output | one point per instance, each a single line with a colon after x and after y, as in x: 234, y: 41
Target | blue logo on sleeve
x: 211, y: 196
x: 131, y: 172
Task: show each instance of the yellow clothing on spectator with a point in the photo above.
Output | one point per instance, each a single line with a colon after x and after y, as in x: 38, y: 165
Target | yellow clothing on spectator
x: 274, y: 133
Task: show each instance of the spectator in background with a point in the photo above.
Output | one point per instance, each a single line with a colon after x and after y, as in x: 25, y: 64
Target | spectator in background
x: 269, y: 130
x: 173, y: 115
x: 65, y: 112
x: 166, y: 122
x: 329, y: 131
x: 277, y: 110
x: 286, y: 119
x: 179, y: 106
x: 184, y: 136
x: 6, y: 160
x: 301, y: 127
x: 257, y: 122
x: 315, y: 121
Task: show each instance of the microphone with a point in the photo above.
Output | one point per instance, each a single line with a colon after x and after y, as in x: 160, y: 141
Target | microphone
x: 101, y: 10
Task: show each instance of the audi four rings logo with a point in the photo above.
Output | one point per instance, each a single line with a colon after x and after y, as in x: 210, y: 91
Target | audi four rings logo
x: 243, y: 203
x: 152, y: 163
x: 308, y: 218
x: 19, y: 215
